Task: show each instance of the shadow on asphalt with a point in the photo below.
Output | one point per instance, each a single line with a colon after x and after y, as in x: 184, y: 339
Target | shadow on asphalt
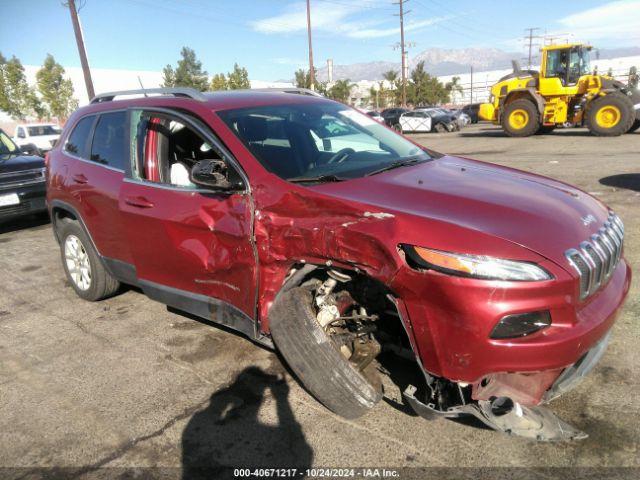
x: 629, y: 181
x: 228, y: 432
x: 23, y: 223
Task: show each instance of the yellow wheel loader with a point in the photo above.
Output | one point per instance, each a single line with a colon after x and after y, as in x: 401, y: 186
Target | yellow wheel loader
x: 565, y: 90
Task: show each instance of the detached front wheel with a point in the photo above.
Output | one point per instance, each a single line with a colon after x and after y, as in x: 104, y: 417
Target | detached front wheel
x: 326, y: 343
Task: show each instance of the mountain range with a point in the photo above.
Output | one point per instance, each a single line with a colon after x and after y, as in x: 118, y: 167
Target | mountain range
x: 443, y: 61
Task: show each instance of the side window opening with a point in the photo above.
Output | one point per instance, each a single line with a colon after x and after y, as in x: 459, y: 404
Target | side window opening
x: 77, y: 143
x: 109, y: 140
x: 166, y: 149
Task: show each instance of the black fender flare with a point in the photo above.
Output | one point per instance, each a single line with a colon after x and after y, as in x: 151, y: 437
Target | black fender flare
x: 55, y: 205
x: 531, y: 92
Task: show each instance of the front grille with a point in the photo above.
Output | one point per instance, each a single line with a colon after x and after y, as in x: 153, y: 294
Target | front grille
x: 19, y: 179
x: 596, y: 258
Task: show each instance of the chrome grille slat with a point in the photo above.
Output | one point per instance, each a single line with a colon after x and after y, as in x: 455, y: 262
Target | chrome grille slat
x: 596, y: 259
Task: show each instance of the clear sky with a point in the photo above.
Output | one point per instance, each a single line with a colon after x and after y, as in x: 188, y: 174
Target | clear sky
x: 268, y: 37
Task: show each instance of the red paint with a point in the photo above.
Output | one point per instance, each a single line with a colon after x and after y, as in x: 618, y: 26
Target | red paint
x: 203, y: 243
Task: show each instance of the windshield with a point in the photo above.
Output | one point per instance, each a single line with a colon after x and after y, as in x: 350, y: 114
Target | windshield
x: 568, y: 64
x: 6, y: 145
x: 323, y: 139
x: 39, y: 130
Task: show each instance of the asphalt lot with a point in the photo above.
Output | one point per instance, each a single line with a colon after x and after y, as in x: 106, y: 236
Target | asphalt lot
x: 127, y: 383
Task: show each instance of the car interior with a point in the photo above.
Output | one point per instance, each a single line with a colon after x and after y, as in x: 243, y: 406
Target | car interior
x: 167, y: 149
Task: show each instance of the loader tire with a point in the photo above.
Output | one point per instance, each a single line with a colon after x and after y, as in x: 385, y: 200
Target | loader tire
x: 317, y: 363
x: 634, y: 127
x: 610, y: 115
x: 520, y: 118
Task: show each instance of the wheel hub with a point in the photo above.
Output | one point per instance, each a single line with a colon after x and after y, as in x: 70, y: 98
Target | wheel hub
x: 608, y: 116
x: 518, y: 119
x: 77, y: 262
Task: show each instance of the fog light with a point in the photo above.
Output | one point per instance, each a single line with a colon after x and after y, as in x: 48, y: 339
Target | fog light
x: 521, y: 325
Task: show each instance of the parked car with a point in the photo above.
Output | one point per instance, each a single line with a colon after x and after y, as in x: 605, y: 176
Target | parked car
x: 22, y: 180
x: 441, y: 120
x: 376, y: 116
x: 502, y: 285
x: 415, y: 121
x: 472, y: 110
x: 43, y: 135
x: 461, y: 118
x: 392, y: 115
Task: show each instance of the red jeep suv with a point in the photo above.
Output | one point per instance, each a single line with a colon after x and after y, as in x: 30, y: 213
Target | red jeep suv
x: 310, y: 227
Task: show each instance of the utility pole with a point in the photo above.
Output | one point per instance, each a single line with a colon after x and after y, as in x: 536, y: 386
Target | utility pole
x: 312, y: 73
x: 471, y: 84
x: 81, y: 50
x: 403, y: 50
x: 530, y: 37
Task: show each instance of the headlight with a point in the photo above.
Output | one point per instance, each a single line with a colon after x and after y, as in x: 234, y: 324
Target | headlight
x: 476, y: 266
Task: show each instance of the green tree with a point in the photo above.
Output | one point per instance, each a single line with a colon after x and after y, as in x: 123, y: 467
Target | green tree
x: 188, y: 72
x: 341, y: 90
x: 17, y: 99
x: 423, y: 89
x: 454, y: 87
x: 55, y: 90
x: 238, y: 78
x: 303, y: 79
x: 393, y: 94
x: 219, y: 82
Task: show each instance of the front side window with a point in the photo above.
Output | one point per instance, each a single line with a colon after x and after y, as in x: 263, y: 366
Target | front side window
x: 110, y: 140
x: 21, y: 133
x: 165, y: 149
x: 319, y: 139
x: 78, y: 141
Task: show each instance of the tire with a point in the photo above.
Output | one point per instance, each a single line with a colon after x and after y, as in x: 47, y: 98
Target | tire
x: 440, y: 128
x: 101, y: 283
x: 610, y: 115
x: 520, y: 118
x: 397, y: 127
x: 310, y: 353
x: 544, y: 129
x: 635, y: 126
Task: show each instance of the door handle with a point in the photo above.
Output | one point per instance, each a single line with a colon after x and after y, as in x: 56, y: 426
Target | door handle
x: 80, y: 178
x: 139, y: 202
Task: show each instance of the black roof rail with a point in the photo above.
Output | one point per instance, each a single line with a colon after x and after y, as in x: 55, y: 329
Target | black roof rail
x: 174, y: 91
x: 296, y: 90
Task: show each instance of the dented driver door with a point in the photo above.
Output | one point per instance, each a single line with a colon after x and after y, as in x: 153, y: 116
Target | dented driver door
x: 191, y: 245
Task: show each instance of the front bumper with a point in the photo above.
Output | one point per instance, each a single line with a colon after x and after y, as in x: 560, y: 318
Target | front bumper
x: 452, y: 329
x: 32, y: 200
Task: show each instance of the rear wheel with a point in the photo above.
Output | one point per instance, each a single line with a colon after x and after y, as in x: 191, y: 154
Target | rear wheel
x: 520, y: 118
x: 610, y: 115
x: 82, y: 266
x: 325, y: 339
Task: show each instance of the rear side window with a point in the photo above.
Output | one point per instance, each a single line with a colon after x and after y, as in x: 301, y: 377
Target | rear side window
x: 110, y: 140
x: 77, y: 144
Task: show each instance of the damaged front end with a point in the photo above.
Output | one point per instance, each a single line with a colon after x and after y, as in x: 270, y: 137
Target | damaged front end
x: 502, y: 402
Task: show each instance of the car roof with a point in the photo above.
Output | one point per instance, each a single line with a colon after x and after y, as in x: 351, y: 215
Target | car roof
x: 215, y: 101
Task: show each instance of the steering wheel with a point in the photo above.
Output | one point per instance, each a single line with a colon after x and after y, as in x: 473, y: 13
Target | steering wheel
x: 340, y: 155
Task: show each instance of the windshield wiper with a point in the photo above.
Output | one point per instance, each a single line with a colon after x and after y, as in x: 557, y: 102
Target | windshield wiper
x: 318, y: 179
x: 398, y: 164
